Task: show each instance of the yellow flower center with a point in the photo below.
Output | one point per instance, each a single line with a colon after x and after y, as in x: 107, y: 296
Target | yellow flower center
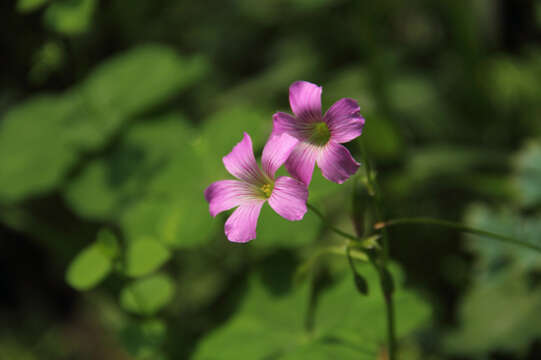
x: 321, y: 134
x: 267, y: 190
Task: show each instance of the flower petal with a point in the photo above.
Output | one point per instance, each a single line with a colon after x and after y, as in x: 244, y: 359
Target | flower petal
x: 276, y: 152
x: 296, y: 127
x: 241, y: 225
x: 344, y: 120
x: 300, y: 163
x: 336, y: 163
x: 283, y: 123
x: 305, y: 100
x: 226, y: 194
x: 288, y: 198
x: 240, y: 162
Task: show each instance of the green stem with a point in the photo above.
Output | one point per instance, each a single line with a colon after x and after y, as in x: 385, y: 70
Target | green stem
x: 387, y: 295
x: 457, y: 226
x: 389, y: 310
x: 373, y: 187
x: 329, y: 225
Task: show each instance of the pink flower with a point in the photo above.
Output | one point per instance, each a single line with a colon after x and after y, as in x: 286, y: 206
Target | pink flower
x: 319, y: 136
x: 254, y: 187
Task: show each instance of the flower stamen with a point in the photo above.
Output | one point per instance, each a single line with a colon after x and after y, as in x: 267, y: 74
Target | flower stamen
x: 321, y: 134
x: 267, y: 190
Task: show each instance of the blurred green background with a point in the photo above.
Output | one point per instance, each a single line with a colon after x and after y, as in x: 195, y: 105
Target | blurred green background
x: 114, y: 116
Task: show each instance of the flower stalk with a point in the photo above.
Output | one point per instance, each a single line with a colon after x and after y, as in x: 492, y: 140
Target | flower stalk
x: 456, y: 226
x: 384, y: 275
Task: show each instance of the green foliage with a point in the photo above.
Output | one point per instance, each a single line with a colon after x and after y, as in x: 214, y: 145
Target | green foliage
x: 70, y: 17
x: 144, y: 256
x: 47, y: 60
x: 26, y: 170
x: 498, y: 313
x: 41, y: 139
x: 143, y: 338
x: 504, y: 272
x: 147, y: 295
x: 528, y: 174
x: 26, y: 6
x: 347, y: 326
x: 505, y: 222
x: 93, y: 263
x: 99, y: 130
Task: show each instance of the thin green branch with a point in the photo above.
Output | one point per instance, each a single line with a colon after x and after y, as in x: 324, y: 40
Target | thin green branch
x: 456, y: 226
x: 354, y: 240
x: 329, y: 225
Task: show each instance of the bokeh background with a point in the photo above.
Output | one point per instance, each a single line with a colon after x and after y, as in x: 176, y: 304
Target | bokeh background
x: 114, y: 116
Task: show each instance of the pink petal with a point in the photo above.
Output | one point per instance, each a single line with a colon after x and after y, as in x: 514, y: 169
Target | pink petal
x: 288, y: 198
x: 284, y: 123
x: 336, y: 163
x: 300, y: 163
x: 344, y: 120
x: 241, y: 225
x: 226, y: 194
x: 296, y: 127
x: 276, y: 152
x: 240, y: 162
x: 305, y: 100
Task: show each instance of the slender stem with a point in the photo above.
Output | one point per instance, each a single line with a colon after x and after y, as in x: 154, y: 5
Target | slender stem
x: 457, y: 226
x: 387, y: 295
x: 391, y: 336
x: 329, y: 225
x: 376, y: 193
x: 389, y: 310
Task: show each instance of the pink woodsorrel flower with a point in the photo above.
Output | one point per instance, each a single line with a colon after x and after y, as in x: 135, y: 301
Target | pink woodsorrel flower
x: 254, y: 187
x: 319, y: 136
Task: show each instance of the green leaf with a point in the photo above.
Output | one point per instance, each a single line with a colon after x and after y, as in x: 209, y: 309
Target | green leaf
x: 382, y: 138
x: 224, y: 129
x: 146, y: 151
x: 70, y: 17
x: 84, y: 118
x: 26, y: 6
x: 347, y: 326
x: 498, y: 313
x: 88, y: 268
x: 144, y: 256
x: 508, y: 223
x: 108, y: 243
x: 504, y: 276
x: 46, y: 60
x: 151, y: 184
x: 273, y: 230
x: 147, y: 295
x: 25, y: 132
x: 143, y: 339
x: 527, y: 178
x: 139, y: 79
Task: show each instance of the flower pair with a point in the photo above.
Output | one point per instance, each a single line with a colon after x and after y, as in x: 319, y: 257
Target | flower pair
x: 299, y: 142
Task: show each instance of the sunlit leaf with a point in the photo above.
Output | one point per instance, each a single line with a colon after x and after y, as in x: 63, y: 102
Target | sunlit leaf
x: 147, y: 295
x: 88, y: 268
x: 42, y: 138
x: 346, y: 325
x: 144, y: 256
x: 33, y: 154
x: 26, y: 6
x: 70, y: 17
